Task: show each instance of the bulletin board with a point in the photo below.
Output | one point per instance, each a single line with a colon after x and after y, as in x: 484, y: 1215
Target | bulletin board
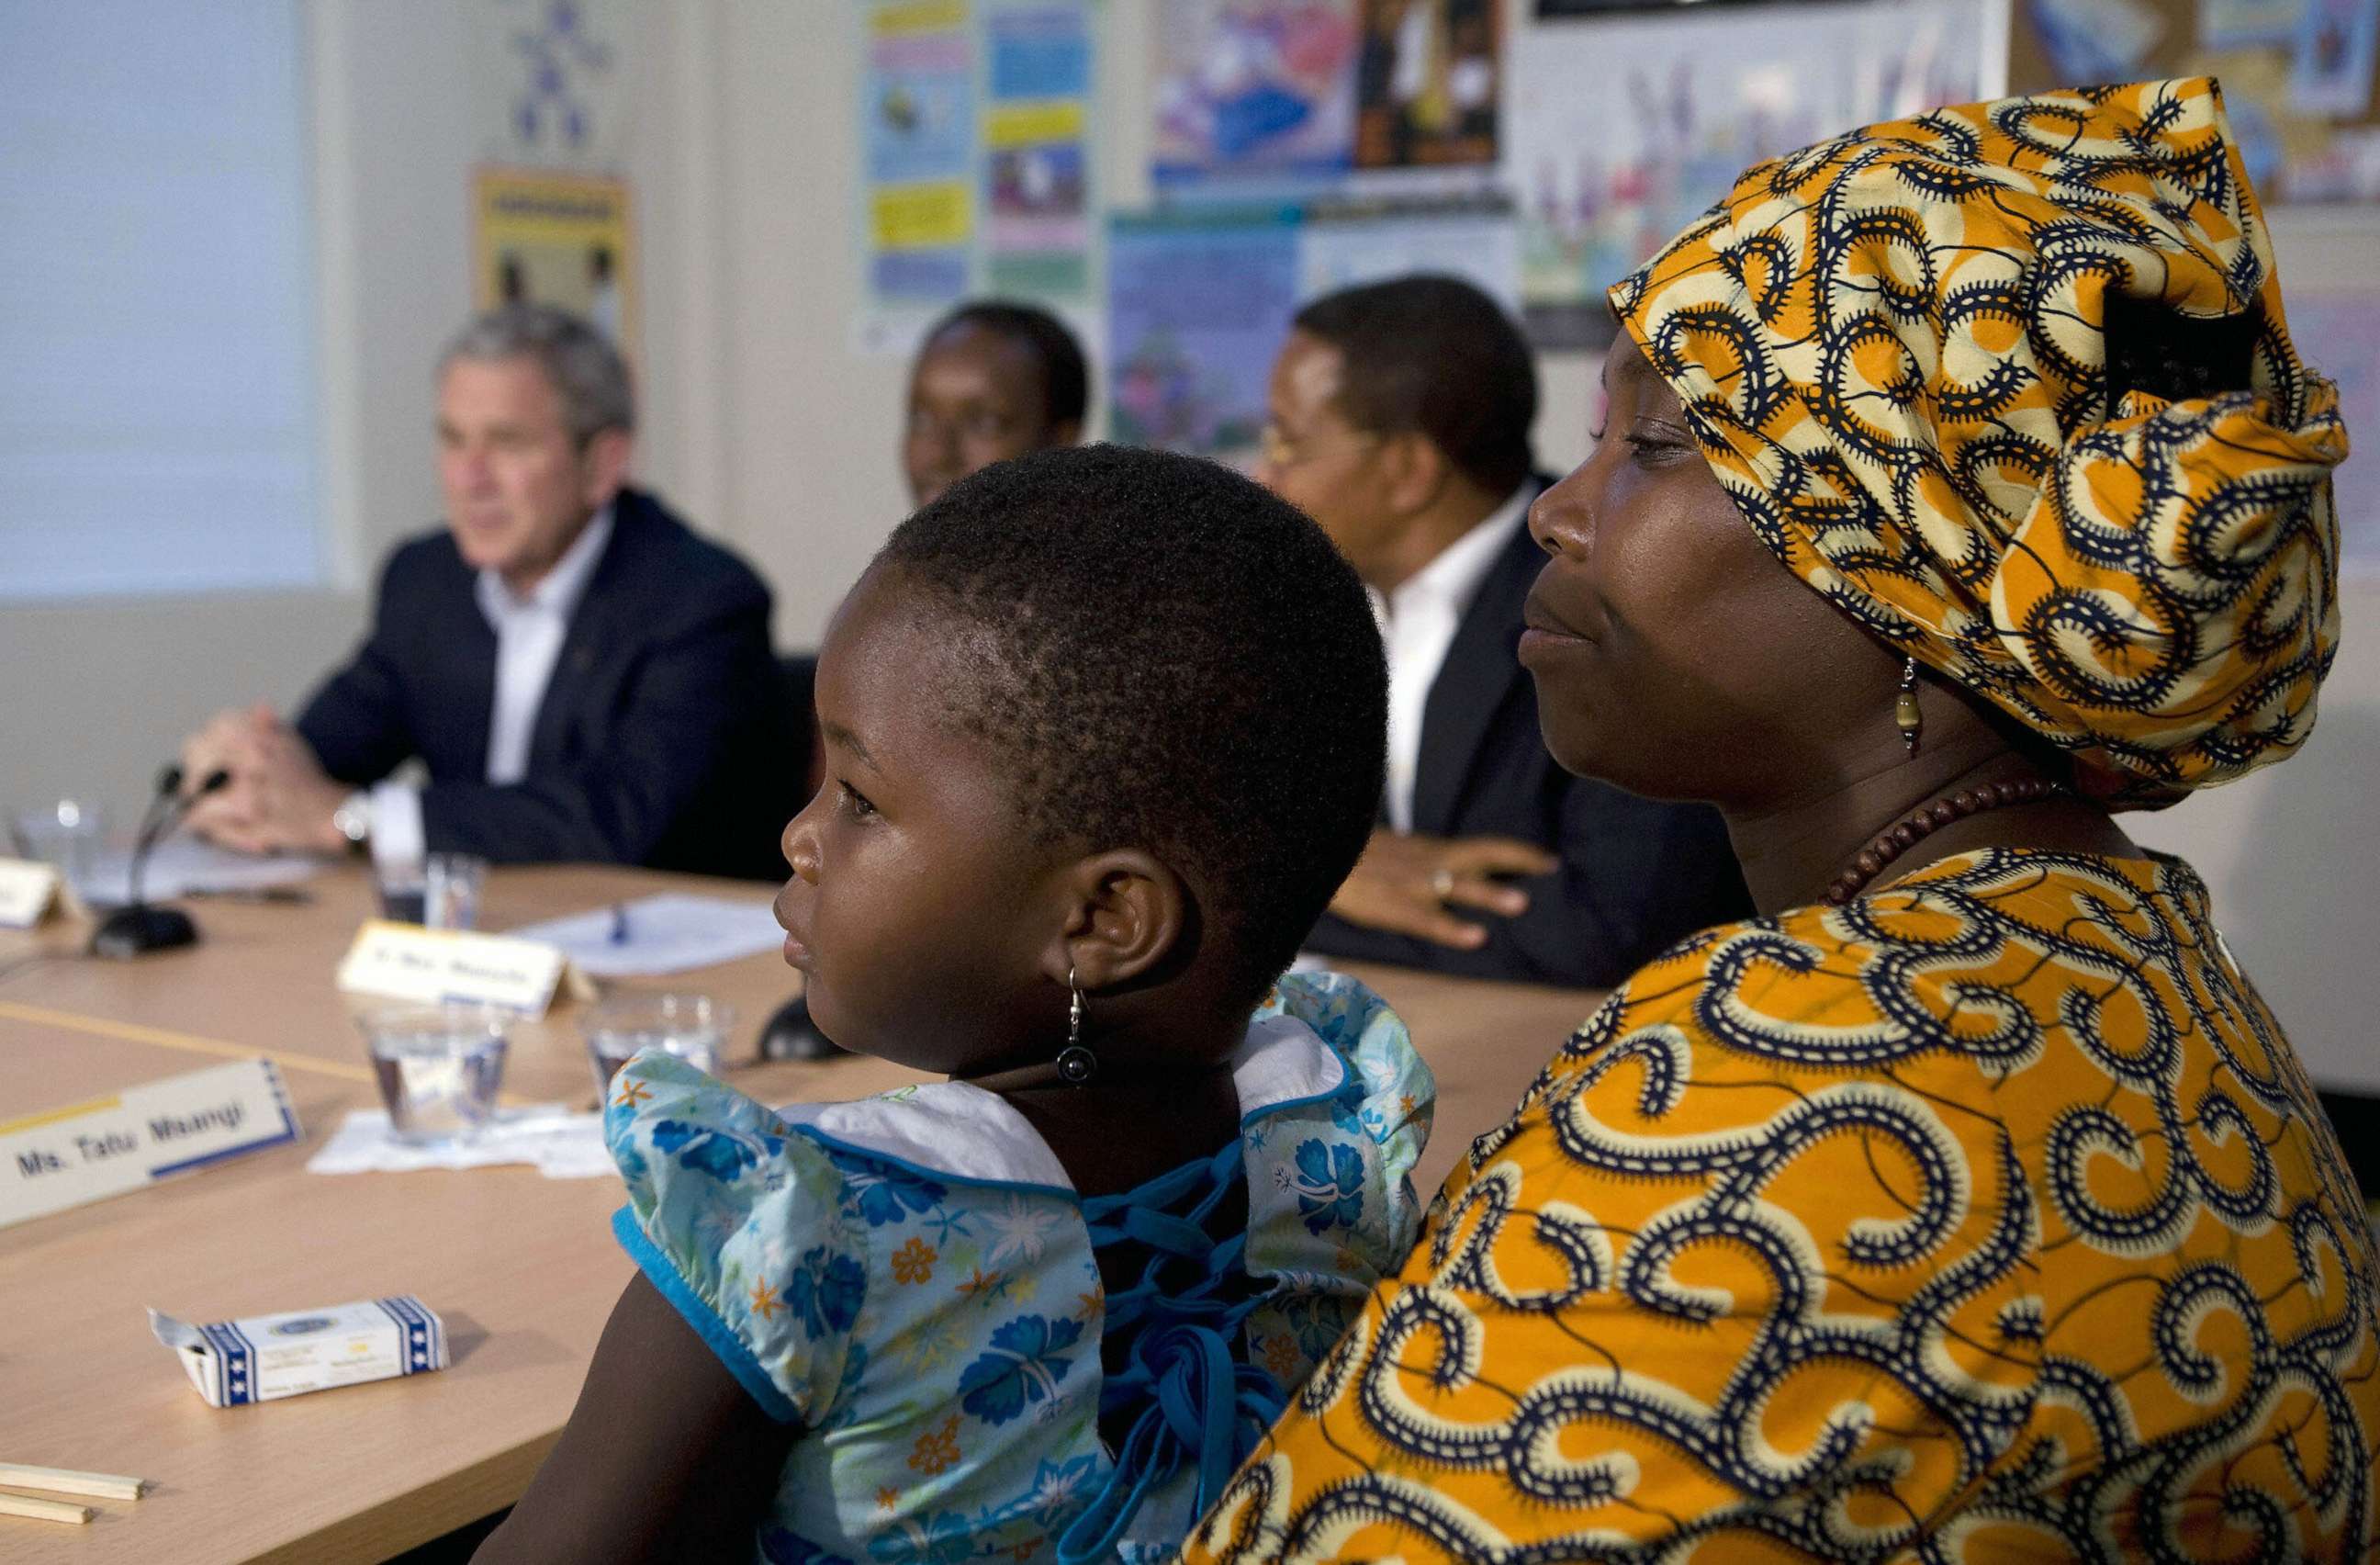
x: 2301, y: 78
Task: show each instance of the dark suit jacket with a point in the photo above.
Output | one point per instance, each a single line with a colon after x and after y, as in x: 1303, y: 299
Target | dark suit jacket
x: 663, y: 739
x: 1635, y: 875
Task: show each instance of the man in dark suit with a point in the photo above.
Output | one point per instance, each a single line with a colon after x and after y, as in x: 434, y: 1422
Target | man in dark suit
x: 1399, y: 417
x: 584, y: 677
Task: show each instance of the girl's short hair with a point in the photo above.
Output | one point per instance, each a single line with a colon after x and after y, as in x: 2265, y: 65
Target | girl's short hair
x: 1181, y: 661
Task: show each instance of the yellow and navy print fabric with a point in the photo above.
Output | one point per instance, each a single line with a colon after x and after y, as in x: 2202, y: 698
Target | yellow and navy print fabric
x: 1892, y: 347
x: 911, y: 1278
x: 1988, y: 1217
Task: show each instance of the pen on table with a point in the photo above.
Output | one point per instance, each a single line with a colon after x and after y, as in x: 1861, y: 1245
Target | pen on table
x: 619, y: 923
x: 292, y: 895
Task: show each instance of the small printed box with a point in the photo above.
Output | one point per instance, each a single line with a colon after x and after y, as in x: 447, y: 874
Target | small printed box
x: 259, y: 1358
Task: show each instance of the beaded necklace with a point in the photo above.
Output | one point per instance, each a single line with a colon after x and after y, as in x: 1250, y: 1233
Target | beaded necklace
x: 1924, y: 821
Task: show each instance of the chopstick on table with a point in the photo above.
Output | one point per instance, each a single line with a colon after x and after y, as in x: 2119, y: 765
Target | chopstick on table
x: 43, y: 1509
x: 61, y: 1480
x: 65, y: 1480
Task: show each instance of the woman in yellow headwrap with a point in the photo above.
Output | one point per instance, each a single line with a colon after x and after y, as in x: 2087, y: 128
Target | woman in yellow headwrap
x: 1969, y: 1203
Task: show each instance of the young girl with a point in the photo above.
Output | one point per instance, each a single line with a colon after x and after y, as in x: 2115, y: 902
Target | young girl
x: 1103, y: 731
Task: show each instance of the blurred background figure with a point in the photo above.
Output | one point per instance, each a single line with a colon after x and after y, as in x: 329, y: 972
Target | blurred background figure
x: 585, y: 678
x: 994, y: 380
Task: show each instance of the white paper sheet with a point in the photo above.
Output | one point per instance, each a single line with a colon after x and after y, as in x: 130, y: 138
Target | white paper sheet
x: 666, y: 933
x: 184, y: 866
x: 559, y: 1144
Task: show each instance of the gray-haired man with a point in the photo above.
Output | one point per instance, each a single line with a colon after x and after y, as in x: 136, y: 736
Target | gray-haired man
x: 585, y: 678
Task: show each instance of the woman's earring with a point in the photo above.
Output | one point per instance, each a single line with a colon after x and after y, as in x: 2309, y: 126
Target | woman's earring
x: 1077, y: 1064
x: 1904, y: 706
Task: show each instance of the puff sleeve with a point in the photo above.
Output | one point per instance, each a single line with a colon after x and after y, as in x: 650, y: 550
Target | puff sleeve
x: 739, y: 1224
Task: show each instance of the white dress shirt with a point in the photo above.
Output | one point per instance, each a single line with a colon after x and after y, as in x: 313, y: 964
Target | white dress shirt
x: 529, y: 632
x: 1418, y: 622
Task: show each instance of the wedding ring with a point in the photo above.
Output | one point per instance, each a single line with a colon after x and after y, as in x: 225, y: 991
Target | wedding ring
x: 1442, y: 883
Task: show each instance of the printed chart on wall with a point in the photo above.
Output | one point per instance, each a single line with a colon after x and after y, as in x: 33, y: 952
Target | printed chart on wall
x: 1604, y: 178
x: 549, y: 81
x: 1254, y: 91
x: 975, y: 121
x: 1428, y: 80
x: 919, y: 135
x: 1037, y: 187
x: 2298, y: 76
x: 1200, y: 299
x: 2338, y: 332
x: 556, y: 239
x: 1197, y: 306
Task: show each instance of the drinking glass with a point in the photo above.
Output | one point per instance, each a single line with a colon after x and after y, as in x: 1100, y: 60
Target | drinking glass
x: 439, y: 1067
x: 450, y: 890
x: 693, y: 1027
x: 403, y: 889
x: 66, y: 835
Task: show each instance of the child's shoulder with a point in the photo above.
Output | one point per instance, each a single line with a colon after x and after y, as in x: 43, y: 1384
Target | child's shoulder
x: 904, y: 1145
x: 1380, y: 1077
x: 1335, y: 1107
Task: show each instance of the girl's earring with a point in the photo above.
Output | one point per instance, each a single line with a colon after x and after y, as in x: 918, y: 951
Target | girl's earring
x: 1077, y: 1064
x: 1904, y: 706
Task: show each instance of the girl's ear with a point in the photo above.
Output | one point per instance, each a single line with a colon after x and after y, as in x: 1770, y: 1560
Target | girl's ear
x: 1128, y: 915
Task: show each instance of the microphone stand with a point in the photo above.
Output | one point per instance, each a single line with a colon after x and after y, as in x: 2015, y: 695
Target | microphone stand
x: 137, y: 928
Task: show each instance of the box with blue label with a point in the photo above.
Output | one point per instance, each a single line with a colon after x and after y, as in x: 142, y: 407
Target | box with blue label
x: 259, y: 1358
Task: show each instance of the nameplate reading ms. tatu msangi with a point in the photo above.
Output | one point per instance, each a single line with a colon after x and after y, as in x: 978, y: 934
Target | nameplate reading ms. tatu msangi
x: 90, y: 1151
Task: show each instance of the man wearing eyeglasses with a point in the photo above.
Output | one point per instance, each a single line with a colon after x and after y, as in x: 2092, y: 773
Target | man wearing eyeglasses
x: 1399, y: 419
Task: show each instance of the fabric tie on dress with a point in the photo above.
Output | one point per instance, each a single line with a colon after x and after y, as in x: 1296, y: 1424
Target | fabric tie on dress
x: 1197, y: 1404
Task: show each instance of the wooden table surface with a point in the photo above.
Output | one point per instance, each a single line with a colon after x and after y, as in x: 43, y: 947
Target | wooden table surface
x: 522, y: 1268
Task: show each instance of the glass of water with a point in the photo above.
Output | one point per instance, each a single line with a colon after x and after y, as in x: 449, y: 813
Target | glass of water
x: 439, y: 1067
x: 66, y: 835
x: 403, y: 886
x: 693, y: 1027
x: 450, y: 890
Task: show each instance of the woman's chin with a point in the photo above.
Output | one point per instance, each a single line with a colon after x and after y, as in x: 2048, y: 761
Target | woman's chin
x: 1600, y: 756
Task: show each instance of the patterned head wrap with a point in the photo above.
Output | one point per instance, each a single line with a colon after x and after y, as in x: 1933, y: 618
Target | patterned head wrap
x: 1891, y: 348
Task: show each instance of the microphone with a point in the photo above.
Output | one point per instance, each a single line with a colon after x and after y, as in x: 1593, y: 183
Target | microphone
x: 137, y: 928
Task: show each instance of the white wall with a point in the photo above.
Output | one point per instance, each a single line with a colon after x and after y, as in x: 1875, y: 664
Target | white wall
x: 764, y: 423
x: 96, y: 695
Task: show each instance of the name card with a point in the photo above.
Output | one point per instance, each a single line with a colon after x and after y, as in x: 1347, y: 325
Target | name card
x: 404, y: 961
x: 30, y: 891
x: 91, y: 1151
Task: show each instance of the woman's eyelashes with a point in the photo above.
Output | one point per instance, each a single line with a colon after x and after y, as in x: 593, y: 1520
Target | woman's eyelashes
x: 1657, y: 444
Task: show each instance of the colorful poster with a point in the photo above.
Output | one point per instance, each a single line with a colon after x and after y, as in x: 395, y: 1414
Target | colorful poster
x: 2092, y: 41
x: 1197, y: 306
x: 2229, y: 24
x: 1604, y: 178
x: 1254, y: 92
x: 2331, y: 72
x: 2298, y: 77
x: 2340, y: 334
x: 1479, y: 242
x: 555, y: 239
x: 1428, y: 79
x: 919, y: 130
x: 1036, y: 179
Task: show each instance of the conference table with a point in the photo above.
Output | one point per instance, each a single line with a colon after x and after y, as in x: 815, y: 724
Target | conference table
x: 522, y: 1268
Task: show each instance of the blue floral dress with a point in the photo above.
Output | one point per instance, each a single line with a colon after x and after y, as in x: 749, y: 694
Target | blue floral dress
x: 911, y: 1278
